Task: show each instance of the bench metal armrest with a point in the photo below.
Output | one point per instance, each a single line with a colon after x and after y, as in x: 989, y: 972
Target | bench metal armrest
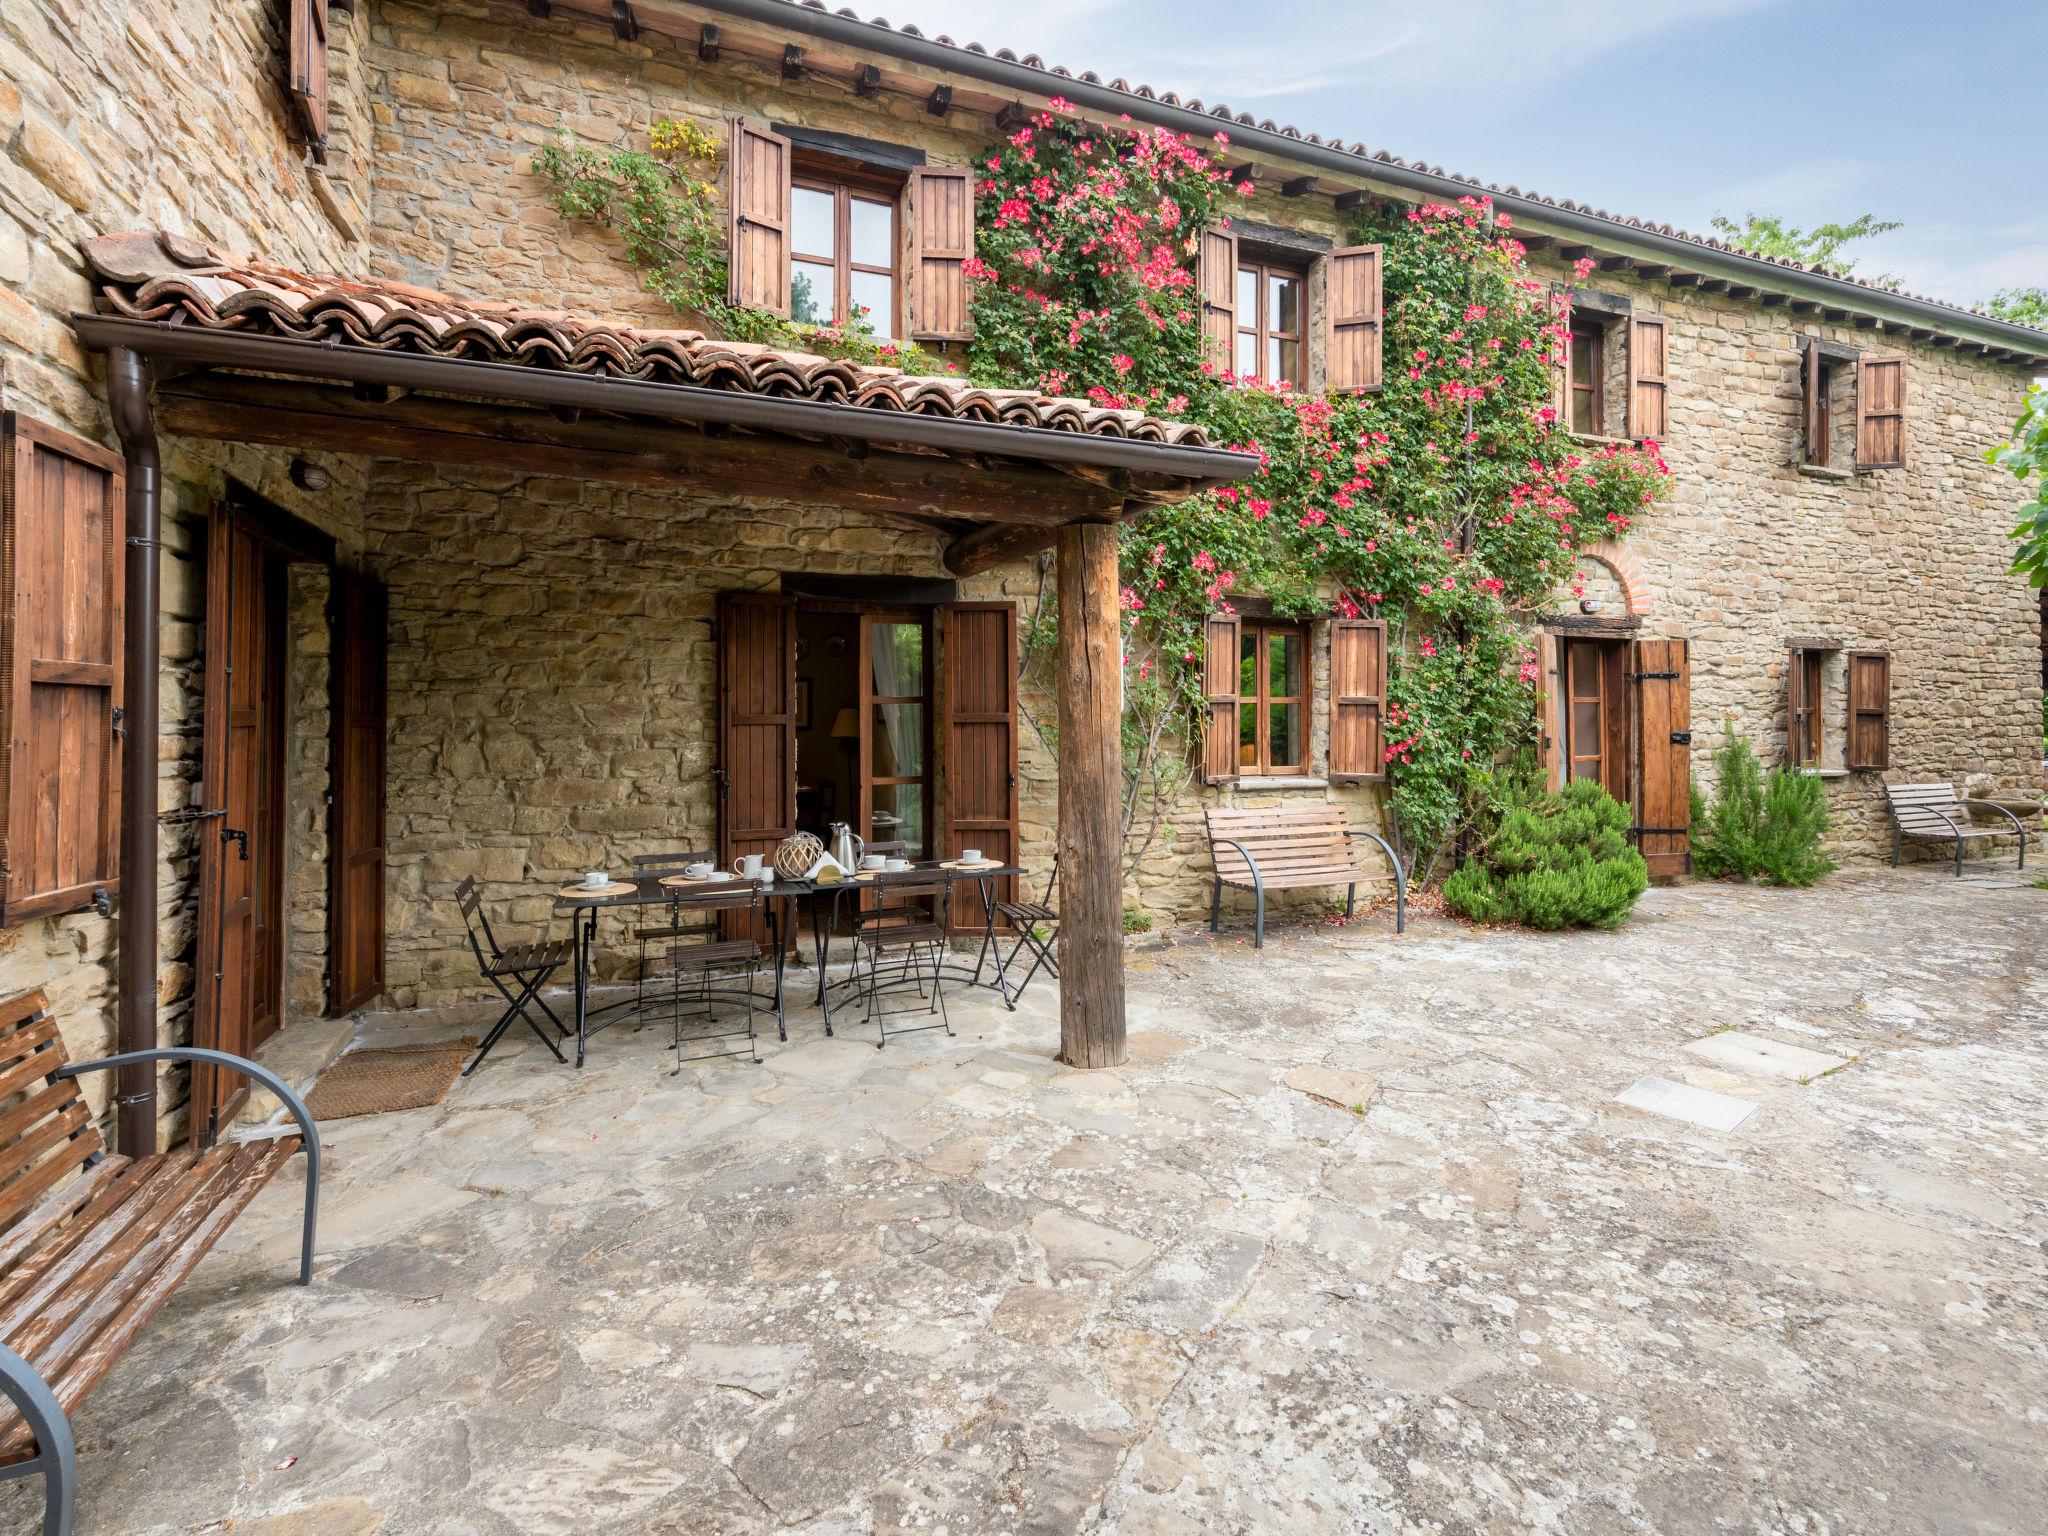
x: 1245, y: 853
x: 309, y: 1133
x: 1992, y: 805
x: 1400, y: 876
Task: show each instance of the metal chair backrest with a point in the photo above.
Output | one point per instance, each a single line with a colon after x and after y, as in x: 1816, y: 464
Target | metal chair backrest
x: 897, y: 898
x: 1052, y: 881
x: 470, y: 901
x: 652, y: 863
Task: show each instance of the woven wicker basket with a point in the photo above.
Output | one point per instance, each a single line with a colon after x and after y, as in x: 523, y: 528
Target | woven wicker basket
x: 796, y: 855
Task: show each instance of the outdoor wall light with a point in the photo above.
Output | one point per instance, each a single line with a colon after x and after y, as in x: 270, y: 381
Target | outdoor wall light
x: 310, y: 477
x: 1589, y: 605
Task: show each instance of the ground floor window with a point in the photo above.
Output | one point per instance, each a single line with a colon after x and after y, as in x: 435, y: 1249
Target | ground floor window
x: 1272, y: 712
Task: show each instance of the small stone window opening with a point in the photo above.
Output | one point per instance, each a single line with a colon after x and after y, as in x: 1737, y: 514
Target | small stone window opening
x: 1595, y: 392
x: 1816, y: 706
x: 1828, y: 391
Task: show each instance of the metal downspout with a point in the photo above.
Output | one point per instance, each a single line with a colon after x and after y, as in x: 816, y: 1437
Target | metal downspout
x: 135, y: 1088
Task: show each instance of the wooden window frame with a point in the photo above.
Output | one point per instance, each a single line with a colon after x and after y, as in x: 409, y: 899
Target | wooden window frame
x: 1261, y: 329
x: 1592, y: 330
x: 1805, y: 693
x: 1262, y: 766
x: 845, y: 187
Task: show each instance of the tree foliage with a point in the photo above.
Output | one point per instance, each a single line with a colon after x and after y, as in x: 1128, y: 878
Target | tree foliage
x: 2026, y: 455
x: 1764, y: 234
x: 2022, y: 306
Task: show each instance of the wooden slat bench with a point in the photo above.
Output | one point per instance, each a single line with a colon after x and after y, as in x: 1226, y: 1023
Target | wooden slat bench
x: 93, y: 1243
x: 1933, y: 811
x: 1286, y: 847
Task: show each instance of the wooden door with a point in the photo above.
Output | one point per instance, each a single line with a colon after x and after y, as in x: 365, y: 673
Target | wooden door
x: 1596, y: 715
x: 240, y: 992
x: 355, y: 901
x: 893, y: 787
x: 1661, y: 674
x: 756, y: 724
x: 978, y: 701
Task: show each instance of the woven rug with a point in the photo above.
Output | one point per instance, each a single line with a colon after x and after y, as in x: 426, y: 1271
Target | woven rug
x: 383, y: 1078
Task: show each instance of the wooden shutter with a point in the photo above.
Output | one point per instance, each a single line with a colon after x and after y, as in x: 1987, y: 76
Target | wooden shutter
x: 1220, y: 643
x: 1663, y: 712
x: 62, y: 503
x: 979, y: 644
x: 757, y: 196
x: 1813, y: 384
x: 1870, y: 704
x: 944, y: 198
x: 1648, y: 385
x: 1562, y: 399
x: 1550, y: 717
x: 1351, y: 303
x: 309, y: 66
x: 1358, y: 699
x: 1880, y: 412
x: 756, y: 723
x: 1216, y: 279
x: 355, y: 855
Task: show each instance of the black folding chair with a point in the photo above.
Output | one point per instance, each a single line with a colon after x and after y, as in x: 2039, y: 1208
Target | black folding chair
x: 1025, y: 918
x: 653, y: 866
x: 724, y: 969
x: 528, y: 966
x: 899, y: 938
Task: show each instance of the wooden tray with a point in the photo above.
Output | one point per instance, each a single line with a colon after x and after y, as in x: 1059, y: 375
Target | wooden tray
x: 979, y: 864
x: 616, y: 888
x: 683, y: 882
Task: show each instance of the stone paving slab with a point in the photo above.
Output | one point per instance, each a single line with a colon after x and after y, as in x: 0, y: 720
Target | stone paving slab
x: 1761, y: 1056
x: 953, y: 1286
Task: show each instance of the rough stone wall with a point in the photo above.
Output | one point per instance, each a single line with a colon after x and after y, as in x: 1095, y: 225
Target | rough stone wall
x: 308, y: 657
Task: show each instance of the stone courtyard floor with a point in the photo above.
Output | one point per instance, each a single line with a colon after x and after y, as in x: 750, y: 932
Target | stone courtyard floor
x: 1360, y: 1240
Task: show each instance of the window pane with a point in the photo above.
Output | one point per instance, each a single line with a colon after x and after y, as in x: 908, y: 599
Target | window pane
x: 877, y: 295
x: 1284, y: 664
x: 896, y: 653
x: 1248, y: 664
x: 812, y: 215
x: 1283, y: 358
x: 896, y: 745
x: 1586, y: 729
x: 1248, y: 296
x: 1247, y: 735
x: 873, y: 233
x: 1283, y: 303
x: 1247, y: 360
x: 899, y: 817
x: 810, y: 292
x: 1283, y: 725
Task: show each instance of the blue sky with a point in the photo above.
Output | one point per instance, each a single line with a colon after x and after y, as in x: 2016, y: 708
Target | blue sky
x: 1811, y: 109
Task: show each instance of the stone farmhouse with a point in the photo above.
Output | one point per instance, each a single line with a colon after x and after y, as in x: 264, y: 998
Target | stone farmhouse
x: 466, y: 558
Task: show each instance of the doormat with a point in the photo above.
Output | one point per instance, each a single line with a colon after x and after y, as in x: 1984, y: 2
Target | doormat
x: 388, y: 1077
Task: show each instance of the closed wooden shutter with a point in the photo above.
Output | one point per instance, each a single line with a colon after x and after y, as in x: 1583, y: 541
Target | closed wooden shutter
x: 757, y: 195
x: 1220, y: 641
x: 979, y: 645
x: 756, y: 724
x: 309, y: 66
x: 1358, y: 699
x: 62, y: 503
x: 1870, y: 705
x: 1351, y: 357
x: 1648, y: 384
x: 1663, y: 712
x: 944, y: 198
x: 1813, y: 384
x: 356, y: 863
x: 1880, y: 412
x: 1216, y: 279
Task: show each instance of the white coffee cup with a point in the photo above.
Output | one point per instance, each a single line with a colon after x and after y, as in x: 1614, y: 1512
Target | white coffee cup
x: 594, y: 879
x: 874, y: 861
x: 719, y: 876
x: 970, y: 855
x: 897, y: 866
x: 749, y: 866
x: 697, y: 871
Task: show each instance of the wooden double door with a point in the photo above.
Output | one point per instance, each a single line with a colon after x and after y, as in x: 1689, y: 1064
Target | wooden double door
x: 934, y: 728
x: 243, y: 815
x: 1622, y: 716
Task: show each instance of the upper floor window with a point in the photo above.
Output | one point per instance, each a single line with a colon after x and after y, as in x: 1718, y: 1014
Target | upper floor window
x: 1589, y: 378
x: 1272, y: 310
x: 842, y: 253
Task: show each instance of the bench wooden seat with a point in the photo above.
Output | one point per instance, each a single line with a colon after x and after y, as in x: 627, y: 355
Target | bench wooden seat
x: 93, y: 1243
x: 1934, y: 812
x: 1292, y: 846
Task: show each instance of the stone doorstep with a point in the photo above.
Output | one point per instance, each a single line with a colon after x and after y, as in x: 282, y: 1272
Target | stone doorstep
x: 298, y: 1053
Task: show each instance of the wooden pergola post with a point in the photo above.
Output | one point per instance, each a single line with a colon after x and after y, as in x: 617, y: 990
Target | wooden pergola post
x: 1091, y: 783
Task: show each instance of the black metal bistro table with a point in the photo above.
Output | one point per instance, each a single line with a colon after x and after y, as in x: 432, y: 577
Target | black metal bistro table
x: 647, y: 890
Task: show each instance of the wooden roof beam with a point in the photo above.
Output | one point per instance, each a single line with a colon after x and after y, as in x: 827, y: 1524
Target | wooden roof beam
x: 625, y: 25
x: 707, y: 43
x: 868, y: 82
x: 1299, y: 186
x: 940, y: 102
x: 793, y: 62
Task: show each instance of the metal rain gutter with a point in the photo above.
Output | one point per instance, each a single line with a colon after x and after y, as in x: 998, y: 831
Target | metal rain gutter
x: 855, y: 34
x: 667, y: 402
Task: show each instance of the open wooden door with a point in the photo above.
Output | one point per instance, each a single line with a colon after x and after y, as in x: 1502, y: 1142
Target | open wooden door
x: 355, y: 900
x: 1661, y: 675
x: 756, y: 724
x: 240, y: 988
x: 978, y: 702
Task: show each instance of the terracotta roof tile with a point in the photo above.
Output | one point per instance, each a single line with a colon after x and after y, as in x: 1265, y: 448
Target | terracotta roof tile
x: 147, y: 275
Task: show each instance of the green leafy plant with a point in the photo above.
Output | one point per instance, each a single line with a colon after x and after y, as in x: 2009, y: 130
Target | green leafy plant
x: 1551, y: 861
x: 1765, y: 234
x: 2026, y: 456
x: 1757, y: 827
x: 2022, y: 306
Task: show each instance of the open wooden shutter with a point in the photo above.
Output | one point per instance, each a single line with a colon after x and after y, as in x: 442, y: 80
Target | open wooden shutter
x: 1802, y: 693
x: 1880, y: 412
x: 1812, y: 384
x: 309, y: 66
x: 1550, y: 720
x: 1561, y: 401
x: 1216, y: 278
x: 1358, y: 699
x: 1351, y: 357
x: 62, y: 503
x: 979, y: 645
x: 1220, y: 644
x: 756, y: 723
x: 1648, y: 385
x: 1870, y: 705
x: 944, y: 197
x: 757, y: 198
x: 356, y: 863
x: 1663, y: 713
